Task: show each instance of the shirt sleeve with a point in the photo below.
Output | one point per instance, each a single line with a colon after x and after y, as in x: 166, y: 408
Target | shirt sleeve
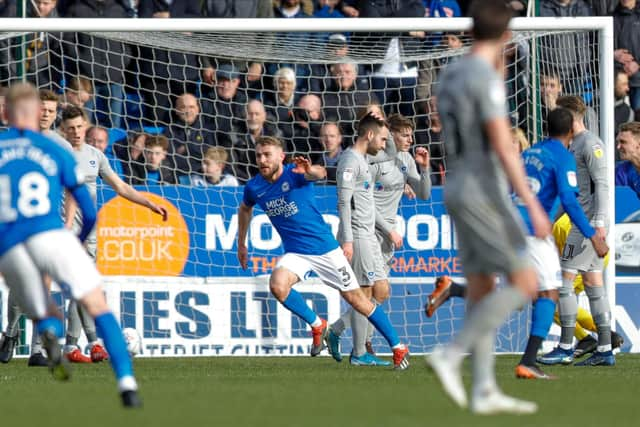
x: 104, y: 168
x: 490, y: 95
x: 621, y: 176
x: 420, y: 182
x: 345, y: 177
x: 567, y: 183
x: 596, y: 161
x: 248, y: 197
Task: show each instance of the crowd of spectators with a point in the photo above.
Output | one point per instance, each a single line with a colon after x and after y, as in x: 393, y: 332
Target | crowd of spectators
x: 193, y: 119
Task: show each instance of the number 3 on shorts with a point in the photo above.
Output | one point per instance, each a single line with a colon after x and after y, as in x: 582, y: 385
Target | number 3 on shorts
x: 346, y: 276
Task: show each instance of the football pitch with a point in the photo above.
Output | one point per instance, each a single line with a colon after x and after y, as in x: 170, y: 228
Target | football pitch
x: 306, y: 392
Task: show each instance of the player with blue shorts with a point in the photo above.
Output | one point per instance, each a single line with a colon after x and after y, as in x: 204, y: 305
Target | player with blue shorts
x: 33, y: 174
x: 285, y: 193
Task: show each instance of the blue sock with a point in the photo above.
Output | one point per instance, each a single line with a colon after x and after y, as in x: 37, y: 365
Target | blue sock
x: 50, y: 323
x: 110, y: 332
x: 297, y: 305
x: 542, y: 317
x: 380, y: 320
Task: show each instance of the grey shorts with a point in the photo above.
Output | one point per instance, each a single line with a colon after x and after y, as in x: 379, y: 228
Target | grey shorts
x: 491, y: 237
x: 578, y: 254
x: 367, y: 262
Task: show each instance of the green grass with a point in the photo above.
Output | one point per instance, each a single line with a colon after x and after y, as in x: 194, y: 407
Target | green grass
x: 306, y: 392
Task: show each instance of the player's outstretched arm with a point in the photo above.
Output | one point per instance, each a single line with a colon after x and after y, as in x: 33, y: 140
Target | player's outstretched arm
x: 128, y: 192
x: 244, y: 217
x: 500, y: 137
x: 311, y: 172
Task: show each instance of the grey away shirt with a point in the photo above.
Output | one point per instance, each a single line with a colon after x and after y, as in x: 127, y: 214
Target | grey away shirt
x: 356, y: 206
x: 391, y: 177
x: 471, y: 93
x: 591, y: 168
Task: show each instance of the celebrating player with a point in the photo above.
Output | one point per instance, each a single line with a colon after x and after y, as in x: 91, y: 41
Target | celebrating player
x: 472, y: 105
x: 33, y: 173
x: 392, y: 173
x: 578, y: 255
x: 285, y: 193
x: 92, y: 163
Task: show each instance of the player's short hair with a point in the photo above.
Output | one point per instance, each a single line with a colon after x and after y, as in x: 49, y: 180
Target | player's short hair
x: 330, y: 123
x: 20, y: 91
x: 519, y: 136
x: 398, y: 123
x: 72, y: 112
x: 633, y: 127
x: 48, y: 95
x: 490, y: 19
x: 79, y: 83
x: 269, y: 140
x: 370, y: 123
x: 216, y: 154
x: 574, y: 104
x: 559, y: 122
x: 157, y: 141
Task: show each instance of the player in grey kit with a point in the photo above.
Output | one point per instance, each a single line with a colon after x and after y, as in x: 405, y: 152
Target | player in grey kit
x: 92, y: 163
x: 356, y: 233
x: 392, y: 168
x: 491, y: 237
x: 578, y: 256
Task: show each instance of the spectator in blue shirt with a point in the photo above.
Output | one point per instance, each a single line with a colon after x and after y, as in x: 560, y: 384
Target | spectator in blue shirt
x: 628, y: 171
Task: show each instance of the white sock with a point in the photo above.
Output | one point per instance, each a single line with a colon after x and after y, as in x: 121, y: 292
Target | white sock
x: 316, y: 322
x: 127, y: 383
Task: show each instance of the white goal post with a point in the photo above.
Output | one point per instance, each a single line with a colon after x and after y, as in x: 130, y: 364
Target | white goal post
x: 135, y: 30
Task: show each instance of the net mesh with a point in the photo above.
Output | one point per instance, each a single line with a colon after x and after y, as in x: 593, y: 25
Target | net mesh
x: 179, y: 282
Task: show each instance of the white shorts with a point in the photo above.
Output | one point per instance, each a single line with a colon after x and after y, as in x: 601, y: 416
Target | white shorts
x: 22, y: 277
x: 546, y: 261
x: 332, y: 268
x: 60, y: 254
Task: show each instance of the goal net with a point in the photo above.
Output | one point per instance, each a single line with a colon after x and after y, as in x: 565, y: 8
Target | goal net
x: 202, y: 97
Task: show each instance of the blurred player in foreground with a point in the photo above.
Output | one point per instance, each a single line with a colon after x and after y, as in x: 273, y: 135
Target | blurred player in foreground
x: 286, y: 195
x: 391, y: 173
x: 33, y: 173
x: 472, y: 105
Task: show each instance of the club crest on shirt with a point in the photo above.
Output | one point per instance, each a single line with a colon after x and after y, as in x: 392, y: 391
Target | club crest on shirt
x: 370, y: 274
x: 285, y: 186
x: 92, y: 163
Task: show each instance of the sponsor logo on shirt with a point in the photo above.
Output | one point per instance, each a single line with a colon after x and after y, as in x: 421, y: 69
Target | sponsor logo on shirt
x: 366, y: 185
x: 280, y: 207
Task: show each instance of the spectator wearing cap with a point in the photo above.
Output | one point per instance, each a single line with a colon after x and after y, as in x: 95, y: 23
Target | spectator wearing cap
x: 344, y: 97
x: 224, y: 105
x: 244, y: 144
x: 188, y: 136
x: 281, y: 102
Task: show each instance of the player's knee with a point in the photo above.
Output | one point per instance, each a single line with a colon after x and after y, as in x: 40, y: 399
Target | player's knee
x: 279, y: 285
x: 381, y: 291
x: 95, y: 303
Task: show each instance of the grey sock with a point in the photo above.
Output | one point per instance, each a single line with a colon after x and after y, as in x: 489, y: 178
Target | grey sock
x: 601, y: 312
x: 483, y: 364
x: 342, y: 323
x: 13, y: 316
x: 36, y: 343
x: 74, y: 325
x: 568, y: 310
x: 487, y: 315
x: 88, y: 324
x: 359, y: 329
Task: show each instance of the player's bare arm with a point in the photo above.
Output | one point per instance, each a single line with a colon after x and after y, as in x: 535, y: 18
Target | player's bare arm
x: 498, y: 134
x: 311, y: 172
x: 244, y: 217
x: 128, y: 192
